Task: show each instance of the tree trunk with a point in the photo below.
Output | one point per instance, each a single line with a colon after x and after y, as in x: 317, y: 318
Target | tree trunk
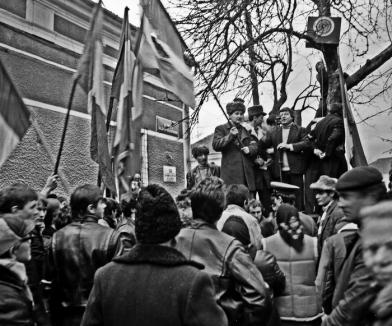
x: 252, y: 61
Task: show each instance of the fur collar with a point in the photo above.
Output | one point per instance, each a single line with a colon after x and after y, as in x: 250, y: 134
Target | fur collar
x: 155, y: 255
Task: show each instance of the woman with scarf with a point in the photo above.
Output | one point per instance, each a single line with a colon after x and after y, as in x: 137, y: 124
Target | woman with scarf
x: 296, y: 254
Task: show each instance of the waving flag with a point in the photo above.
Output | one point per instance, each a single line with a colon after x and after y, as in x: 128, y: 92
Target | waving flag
x: 90, y: 78
x: 14, y: 116
x: 161, y: 48
x: 127, y: 88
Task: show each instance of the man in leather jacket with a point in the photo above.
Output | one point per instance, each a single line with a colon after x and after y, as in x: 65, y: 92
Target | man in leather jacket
x: 240, y: 288
x: 76, y: 252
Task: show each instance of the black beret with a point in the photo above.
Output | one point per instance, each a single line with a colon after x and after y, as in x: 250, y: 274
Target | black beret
x: 255, y: 110
x: 359, y: 178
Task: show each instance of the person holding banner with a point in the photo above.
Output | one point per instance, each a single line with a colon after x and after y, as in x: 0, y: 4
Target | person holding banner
x: 238, y: 148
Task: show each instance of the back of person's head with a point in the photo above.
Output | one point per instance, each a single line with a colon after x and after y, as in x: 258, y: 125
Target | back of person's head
x: 112, y: 206
x: 16, y: 195
x: 208, y: 200
x: 52, y: 211
x: 128, y: 206
x: 236, y: 227
x: 82, y: 197
x: 237, y: 194
x: 157, y: 218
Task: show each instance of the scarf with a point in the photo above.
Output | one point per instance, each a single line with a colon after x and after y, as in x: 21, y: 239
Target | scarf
x: 290, y: 227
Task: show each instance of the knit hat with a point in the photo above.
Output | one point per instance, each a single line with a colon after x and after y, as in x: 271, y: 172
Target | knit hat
x: 235, y: 106
x: 236, y: 227
x: 324, y: 183
x: 13, y: 230
x: 255, y: 110
x: 359, y: 178
x: 157, y: 217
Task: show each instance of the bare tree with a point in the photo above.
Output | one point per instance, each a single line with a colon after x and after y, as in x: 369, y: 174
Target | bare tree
x: 245, y: 46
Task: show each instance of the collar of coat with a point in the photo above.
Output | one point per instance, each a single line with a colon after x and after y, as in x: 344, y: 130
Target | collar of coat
x: 9, y: 277
x: 155, y: 255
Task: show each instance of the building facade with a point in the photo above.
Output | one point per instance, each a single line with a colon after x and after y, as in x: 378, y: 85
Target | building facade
x: 40, y: 44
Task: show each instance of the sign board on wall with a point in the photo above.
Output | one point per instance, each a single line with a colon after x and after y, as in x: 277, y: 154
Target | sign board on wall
x: 169, y: 174
x: 168, y: 127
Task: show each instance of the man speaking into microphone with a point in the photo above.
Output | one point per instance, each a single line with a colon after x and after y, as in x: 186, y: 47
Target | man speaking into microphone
x: 238, y: 147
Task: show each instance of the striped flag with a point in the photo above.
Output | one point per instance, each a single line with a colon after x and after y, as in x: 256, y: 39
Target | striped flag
x: 90, y: 78
x: 127, y: 89
x: 14, y: 116
x: 161, y: 48
x: 355, y: 155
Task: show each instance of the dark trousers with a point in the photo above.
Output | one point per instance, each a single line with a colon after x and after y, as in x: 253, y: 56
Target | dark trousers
x: 316, y: 322
x: 296, y: 180
x: 263, y: 189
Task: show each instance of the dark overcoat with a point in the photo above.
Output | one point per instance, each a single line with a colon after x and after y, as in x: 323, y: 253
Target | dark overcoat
x: 152, y: 285
x: 296, y: 158
x: 236, y: 167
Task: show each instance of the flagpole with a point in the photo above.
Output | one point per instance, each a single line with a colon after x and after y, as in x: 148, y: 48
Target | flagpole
x: 71, y: 96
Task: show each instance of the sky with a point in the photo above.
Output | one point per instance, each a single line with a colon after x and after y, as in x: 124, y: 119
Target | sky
x: 371, y: 131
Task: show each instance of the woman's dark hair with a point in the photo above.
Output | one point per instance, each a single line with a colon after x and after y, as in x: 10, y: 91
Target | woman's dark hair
x: 82, y: 197
x: 208, y: 200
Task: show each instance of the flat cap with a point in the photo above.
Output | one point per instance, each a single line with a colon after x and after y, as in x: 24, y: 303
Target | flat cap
x: 359, y: 178
x: 324, y: 183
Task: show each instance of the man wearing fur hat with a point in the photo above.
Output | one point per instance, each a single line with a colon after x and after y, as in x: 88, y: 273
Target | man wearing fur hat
x: 153, y: 283
x: 238, y: 148
x: 289, y: 143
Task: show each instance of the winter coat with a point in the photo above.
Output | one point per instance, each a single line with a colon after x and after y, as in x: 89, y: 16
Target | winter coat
x: 296, y: 157
x: 193, y: 177
x: 331, y: 261
x: 240, y: 288
x: 16, y: 305
x: 236, y: 167
x: 355, y: 289
x: 77, y: 251
x: 152, y: 285
x: 250, y: 221
x: 328, y: 226
x: 299, y: 301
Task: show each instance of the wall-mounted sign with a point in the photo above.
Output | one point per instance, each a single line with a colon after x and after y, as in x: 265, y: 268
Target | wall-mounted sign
x: 169, y: 174
x: 168, y: 127
x: 324, y: 30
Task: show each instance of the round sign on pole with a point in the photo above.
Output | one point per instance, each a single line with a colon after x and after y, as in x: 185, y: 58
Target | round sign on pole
x: 323, y: 26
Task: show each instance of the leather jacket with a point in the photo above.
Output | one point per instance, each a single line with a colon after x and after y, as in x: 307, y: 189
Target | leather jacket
x: 239, y: 286
x: 76, y: 252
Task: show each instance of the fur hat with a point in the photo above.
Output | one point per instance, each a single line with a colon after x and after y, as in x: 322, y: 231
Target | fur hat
x: 235, y: 106
x: 157, y: 217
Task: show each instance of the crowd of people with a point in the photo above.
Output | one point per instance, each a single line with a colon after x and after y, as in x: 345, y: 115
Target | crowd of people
x: 237, y: 247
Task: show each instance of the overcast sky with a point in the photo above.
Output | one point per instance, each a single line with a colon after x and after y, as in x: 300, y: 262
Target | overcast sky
x: 371, y: 131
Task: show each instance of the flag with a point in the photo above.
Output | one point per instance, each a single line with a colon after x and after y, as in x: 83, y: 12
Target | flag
x: 160, y: 47
x: 90, y: 77
x: 14, y: 116
x: 127, y: 89
x: 355, y: 155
